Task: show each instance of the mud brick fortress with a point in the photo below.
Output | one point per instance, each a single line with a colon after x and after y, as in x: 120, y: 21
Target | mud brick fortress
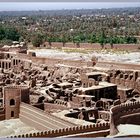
x: 64, y: 98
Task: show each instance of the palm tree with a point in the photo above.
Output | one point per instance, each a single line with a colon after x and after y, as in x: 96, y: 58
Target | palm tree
x: 64, y: 39
x: 77, y: 40
x: 102, y: 39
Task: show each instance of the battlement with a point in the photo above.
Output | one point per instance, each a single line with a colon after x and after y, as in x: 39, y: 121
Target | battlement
x: 124, y: 113
x: 29, y: 109
x: 66, y: 131
x: 15, y: 87
x: 125, y: 107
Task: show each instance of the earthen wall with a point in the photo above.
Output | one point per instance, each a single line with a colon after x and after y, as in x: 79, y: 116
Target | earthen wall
x: 122, y: 114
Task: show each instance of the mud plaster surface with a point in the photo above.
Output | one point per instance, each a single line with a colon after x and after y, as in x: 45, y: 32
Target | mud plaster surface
x: 14, y: 127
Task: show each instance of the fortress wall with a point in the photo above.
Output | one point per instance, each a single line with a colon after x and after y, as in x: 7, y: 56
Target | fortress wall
x: 91, y: 130
x: 44, y: 122
x: 49, y: 107
x: 76, y: 63
x: 36, y: 116
x: 117, y: 65
x: 127, y: 119
x: 53, y: 61
x: 124, y: 113
x: 47, y: 61
x: 124, y: 108
x: 95, y: 45
x: 94, y: 134
x: 127, y: 46
x: 42, y: 112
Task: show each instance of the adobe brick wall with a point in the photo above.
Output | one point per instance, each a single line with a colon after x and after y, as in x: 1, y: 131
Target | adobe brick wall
x: 94, y: 134
x: 49, y: 107
x: 53, y: 61
x: 96, y: 45
x: 124, y: 113
x: 41, y: 120
x: 18, y: 94
x: 96, y: 130
x: 11, y: 92
x: 25, y: 97
x: 117, y: 65
x: 77, y: 63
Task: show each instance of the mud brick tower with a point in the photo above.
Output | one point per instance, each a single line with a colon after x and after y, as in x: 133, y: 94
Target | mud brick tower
x: 12, y: 101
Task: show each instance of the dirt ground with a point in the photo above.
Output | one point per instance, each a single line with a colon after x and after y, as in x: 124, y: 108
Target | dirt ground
x: 14, y: 127
x: 102, y: 55
x: 128, y: 129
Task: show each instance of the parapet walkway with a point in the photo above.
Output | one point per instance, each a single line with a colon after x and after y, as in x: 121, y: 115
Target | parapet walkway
x: 40, y: 120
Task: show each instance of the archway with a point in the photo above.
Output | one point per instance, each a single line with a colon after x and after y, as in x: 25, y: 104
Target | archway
x: 12, y: 102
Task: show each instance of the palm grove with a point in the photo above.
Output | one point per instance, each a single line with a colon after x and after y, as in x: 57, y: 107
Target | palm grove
x: 104, y: 28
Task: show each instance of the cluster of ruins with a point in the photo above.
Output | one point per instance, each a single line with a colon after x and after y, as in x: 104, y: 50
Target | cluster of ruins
x: 34, y: 92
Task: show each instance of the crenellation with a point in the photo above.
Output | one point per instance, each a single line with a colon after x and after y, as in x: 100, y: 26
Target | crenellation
x: 65, y: 131
x: 23, y: 136
x: 125, y: 109
x: 19, y: 136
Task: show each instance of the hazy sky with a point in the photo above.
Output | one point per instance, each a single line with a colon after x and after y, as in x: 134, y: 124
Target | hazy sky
x: 8, y: 6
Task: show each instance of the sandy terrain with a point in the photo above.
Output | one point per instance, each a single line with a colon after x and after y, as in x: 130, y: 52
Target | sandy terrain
x: 14, y: 127
x: 128, y: 129
x: 131, y: 57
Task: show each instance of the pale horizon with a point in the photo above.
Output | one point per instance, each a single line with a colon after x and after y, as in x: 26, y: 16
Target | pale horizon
x: 35, y: 6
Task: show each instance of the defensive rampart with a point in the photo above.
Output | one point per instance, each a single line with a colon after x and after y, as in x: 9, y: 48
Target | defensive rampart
x: 41, y: 120
x: 98, y: 130
x: 95, y: 45
x: 124, y: 114
x: 75, y: 63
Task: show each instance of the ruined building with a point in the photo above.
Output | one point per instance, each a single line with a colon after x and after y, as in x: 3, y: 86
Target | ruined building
x: 62, y: 98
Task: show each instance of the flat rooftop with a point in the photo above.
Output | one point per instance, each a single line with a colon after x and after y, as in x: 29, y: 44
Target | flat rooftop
x: 96, y: 73
x: 100, y: 86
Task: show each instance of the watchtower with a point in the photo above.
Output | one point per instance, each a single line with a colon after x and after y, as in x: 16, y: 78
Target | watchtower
x: 12, y: 101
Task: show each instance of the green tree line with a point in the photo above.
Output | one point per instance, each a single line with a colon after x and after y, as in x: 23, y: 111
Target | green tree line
x: 102, y: 39
x: 8, y: 34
